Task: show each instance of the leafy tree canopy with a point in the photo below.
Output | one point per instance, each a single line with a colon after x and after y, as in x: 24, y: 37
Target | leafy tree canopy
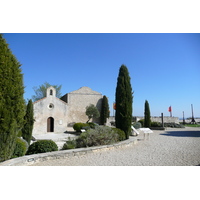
x: 40, y: 91
x: 92, y: 112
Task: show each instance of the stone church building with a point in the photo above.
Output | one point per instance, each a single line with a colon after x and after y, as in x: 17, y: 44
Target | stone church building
x: 56, y: 115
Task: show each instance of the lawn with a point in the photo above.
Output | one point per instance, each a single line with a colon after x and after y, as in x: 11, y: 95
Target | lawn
x: 192, y: 125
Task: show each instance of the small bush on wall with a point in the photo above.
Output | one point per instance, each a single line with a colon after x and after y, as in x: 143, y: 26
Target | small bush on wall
x: 70, y: 144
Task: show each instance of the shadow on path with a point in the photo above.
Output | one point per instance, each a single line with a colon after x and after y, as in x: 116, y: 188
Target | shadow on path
x: 182, y: 133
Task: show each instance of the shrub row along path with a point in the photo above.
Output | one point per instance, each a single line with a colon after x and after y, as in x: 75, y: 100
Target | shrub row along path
x: 172, y: 147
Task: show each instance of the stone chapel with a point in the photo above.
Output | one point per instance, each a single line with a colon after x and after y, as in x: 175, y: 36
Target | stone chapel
x: 54, y: 115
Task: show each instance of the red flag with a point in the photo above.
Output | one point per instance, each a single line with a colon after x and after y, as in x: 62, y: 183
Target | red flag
x: 170, y: 109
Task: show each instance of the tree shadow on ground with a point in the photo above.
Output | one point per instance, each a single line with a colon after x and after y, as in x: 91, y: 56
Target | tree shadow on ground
x: 182, y: 133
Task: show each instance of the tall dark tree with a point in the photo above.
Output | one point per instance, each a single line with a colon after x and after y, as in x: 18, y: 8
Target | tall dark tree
x: 12, y: 104
x: 124, y: 100
x: 29, y: 121
x: 105, y: 113
x: 40, y: 92
x: 147, y: 115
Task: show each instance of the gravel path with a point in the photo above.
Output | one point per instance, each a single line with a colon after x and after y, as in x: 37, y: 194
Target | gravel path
x: 173, y: 147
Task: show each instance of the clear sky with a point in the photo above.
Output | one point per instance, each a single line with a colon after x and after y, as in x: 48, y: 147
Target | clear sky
x: 164, y: 68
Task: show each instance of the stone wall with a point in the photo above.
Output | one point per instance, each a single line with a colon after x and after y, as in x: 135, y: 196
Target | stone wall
x: 165, y: 119
x: 153, y: 119
x: 53, y: 107
x: 158, y: 119
x: 77, y: 102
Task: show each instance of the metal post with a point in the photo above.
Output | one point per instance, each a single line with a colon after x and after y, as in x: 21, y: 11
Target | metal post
x: 183, y: 118
x: 162, y: 120
x: 193, y: 121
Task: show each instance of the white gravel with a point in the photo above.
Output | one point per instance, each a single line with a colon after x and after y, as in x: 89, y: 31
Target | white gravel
x: 173, y: 147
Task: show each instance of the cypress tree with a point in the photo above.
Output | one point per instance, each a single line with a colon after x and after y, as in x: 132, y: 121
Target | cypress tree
x: 147, y: 115
x: 29, y: 120
x: 11, y: 100
x: 104, y: 110
x: 124, y: 100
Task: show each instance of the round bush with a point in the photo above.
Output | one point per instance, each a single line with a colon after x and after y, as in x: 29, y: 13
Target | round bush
x: 137, y: 125
x: 78, y: 126
x: 141, y: 122
x: 42, y: 146
x: 20, y: 148
x: 121, y: 134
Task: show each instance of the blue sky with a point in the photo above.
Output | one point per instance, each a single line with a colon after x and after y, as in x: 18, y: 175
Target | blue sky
x: 164, y: 68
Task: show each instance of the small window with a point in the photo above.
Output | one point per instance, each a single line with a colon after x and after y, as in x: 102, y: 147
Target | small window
x: 51, y: 92
x: 51, y: 106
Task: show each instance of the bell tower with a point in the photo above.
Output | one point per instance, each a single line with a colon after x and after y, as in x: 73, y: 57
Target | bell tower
x: 51, y: 91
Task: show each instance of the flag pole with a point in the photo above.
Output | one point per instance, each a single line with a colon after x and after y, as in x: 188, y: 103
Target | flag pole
x: 171, y: 111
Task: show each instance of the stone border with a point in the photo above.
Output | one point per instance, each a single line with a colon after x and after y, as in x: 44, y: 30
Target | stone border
x: 30, y: 159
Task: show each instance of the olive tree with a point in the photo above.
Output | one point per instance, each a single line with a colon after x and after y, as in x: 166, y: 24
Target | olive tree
x: 92, y: 112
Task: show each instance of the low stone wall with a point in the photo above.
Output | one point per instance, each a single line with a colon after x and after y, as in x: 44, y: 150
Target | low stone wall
x: 165, y: 119
x: 153, y: 119
x: 30, y: 159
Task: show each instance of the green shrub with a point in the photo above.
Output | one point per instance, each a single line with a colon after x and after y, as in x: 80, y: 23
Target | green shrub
x: 20, y: 148
x: 42, y: 146
x: 137, y: 125
x: 142, y: 122
x: 19, y: 134
x: 92, y: 125
x: 101, y: 135
x: 78, y: 126
x: 70, y: 144
x: 121, y: 134
x: 156, y: 124
x: 173, y: 125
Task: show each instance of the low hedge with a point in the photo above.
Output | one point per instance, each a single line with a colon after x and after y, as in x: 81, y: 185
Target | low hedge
x: 100, y: 135
x: 121, y: 134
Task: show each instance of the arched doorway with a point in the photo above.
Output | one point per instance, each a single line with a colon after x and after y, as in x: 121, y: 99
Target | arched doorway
x: 50, y: 124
